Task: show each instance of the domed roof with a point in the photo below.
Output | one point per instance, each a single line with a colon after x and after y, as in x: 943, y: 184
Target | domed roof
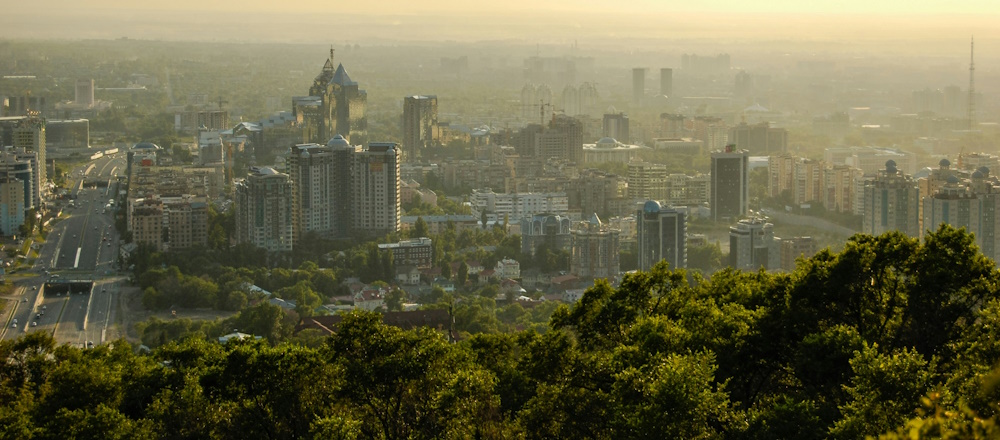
x: 952, y: 179
x: 146, y: 146
x: 651, y: 207
x: 595, y: 220
x: 338, y: 141
x: 984, y: 170
x: 890, y: 163
x: 978, y: 175
x: 607, y: 141
x: 611, y: 110
x: 945, y: 163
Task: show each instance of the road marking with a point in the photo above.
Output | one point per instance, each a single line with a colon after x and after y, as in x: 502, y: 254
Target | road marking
x: 76, y: 263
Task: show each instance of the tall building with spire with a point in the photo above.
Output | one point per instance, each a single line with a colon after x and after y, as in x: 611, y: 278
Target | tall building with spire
x: 335, y: 105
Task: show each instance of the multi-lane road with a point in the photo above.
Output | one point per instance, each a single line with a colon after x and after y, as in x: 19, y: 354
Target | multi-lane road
x: 82, y: 246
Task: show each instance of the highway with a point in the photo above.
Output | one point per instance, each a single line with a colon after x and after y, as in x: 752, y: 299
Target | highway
x: 83, y: 245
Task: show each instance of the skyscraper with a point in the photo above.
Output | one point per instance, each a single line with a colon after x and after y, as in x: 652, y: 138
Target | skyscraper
x: 891, y: 203
x: 667, y: 81
x: 730, y: 184
x: 662, y: 235
x: 420, y: 125
x: 264, y: 210
x: 638, y: 85
x: 321, y: 191
x: 27, y: 135
x: 375, y: 189
x: 335, y: 105
x: 616, y: 127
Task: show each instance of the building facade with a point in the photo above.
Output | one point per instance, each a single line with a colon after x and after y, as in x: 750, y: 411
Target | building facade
x: 750, y: 245
x: 335, y: 105
x: 661, y: 232
x: 891, y: 202
x: 595, y: 250
x: 730, y: 184
x: 264, y: 210
x: 420, y: 125
x: 375, y: 189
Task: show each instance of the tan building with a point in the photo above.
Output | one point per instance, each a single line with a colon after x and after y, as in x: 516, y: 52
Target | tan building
x: 264, y: 210
x: 147, y: 222
x: 375, y: 190
x: 187, y: 222
x: 844, y: 189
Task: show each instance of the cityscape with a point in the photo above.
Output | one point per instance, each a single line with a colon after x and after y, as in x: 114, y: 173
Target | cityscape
x: 429, y: 232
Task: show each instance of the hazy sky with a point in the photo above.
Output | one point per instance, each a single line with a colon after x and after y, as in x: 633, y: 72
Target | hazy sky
x: 555, y: 21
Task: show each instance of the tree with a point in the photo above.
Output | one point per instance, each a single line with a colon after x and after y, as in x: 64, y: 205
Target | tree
x: 420, y: 228
x: 462, y: 276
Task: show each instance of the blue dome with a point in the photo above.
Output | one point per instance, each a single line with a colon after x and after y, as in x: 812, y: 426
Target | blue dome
x: 984, y: 170
x: 651, y: 207
x: 890, y: 164
x: 977, y: 175
x: 952, y: 179
x: 945, y: 163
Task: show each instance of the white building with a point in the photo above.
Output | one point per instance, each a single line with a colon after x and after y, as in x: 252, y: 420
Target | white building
x: 517, y: 205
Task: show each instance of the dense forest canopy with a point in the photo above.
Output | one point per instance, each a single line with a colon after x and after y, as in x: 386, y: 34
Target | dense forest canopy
x: 892, y: 336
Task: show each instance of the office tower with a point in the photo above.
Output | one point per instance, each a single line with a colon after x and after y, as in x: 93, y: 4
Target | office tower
x: 84, y: 93
x: 551, y: 230
x: 759, y: 139
x: 671, y: 126
x: 730, y: 184
x: 638, y: 85
x: 335, y: 105
x: 667, y: 81
x: 11, y: 205
x: 321, y: 188
x: 616, y: 127
x: 375, y: 189
x: 750, y: 243
x: 662, y: 235
x: 420, y: 125
x: 264, y: 210
x: 594, y: 250
x: 891, y: 203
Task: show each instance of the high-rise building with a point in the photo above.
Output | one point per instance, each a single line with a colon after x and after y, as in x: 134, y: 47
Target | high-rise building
x: 322, y: 188
x: 595, y: 250
x: 11, y: 205
x: 759, y: 139
x: 750, y: 244
x: 84, y: 93
x: 647, y: 180
x: 335, y: 105
x: 15, y: 166
x: 743, y: 87
x: 147, y: 222
x: 264, y: 210
x: 187, y: 222
x: 562, y: 138
x: 375, y: 189
x: 843, y: 185
x: 730, y: 184
x: 711, y: 130
x: 792, y: 249
x: 662, y: 235
x: 973, y: 204
x: 672, y: 126
x: 667, y: 81
x: 616, y: 127
x: 638, y: 85
x: 420, y: 125
x: 27, y: 135
x: 891, y: 203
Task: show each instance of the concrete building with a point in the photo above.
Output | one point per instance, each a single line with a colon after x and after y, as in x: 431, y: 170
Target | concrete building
x: 759, y: 139
x: 147, y: 222
x: 322, y: 188
x: 792, y: 249
x: 517, y: 205
x: 11, y: 205
x: 15, y: 166
x: 335, y: 105
x: 802, y: 178
x: 417, y: 252
x: 730, y: 184
x: 615, y: 126
x: 973, y: 204
x: 871, y: 159
x: 375, y: 208
x: 595, y: 250
x: 750, y: 245
x: 84, y: 93
x: 844, y: 189
x: 667, y: 81
x: 610, y: 150
x: 891, y: 202
x: 420, y: 125
x: 646, y: 180
x: 549, y: 229
x: 187, y: 222
x: 661, y: 232
x: 264, y: 210
x: 27, y: 135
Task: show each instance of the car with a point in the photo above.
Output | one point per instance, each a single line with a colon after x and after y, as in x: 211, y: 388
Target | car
x: 15, y: 321
x: 104, y: 290
x: 34, y: 287
x: 90, y: 343
x: 44, y: 307
x: 14, y: 325
x: 38, y: 316
x: 34, y: 323
x: 24, y: 300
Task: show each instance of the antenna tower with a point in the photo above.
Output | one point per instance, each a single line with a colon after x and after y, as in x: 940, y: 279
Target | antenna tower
x: 972, y: 84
